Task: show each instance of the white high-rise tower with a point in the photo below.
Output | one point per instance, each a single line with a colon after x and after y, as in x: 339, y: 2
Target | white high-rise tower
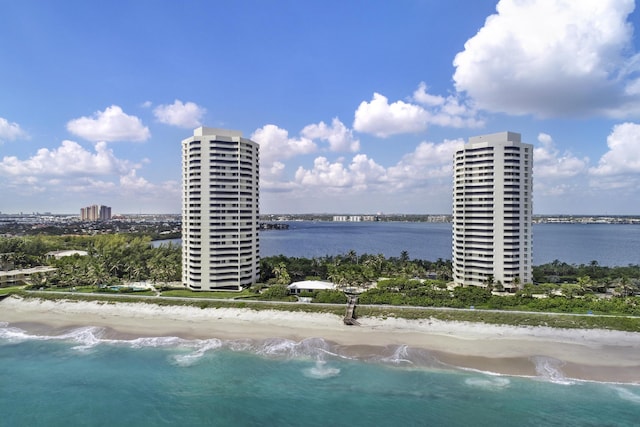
x: 220, y: 210
x: 492, y: 211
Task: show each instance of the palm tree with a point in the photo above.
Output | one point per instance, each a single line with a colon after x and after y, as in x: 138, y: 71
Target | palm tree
x: 489, y: 281
x: 281, y: 273
x: 625, y: 288
x: 585, y: 283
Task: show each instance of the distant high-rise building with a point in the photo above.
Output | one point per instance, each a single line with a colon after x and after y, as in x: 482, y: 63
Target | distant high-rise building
x: 220, y: 210
x: 492, y: 211
x: 95, y: 213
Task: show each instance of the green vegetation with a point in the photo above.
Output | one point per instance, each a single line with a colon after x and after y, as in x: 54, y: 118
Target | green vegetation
x: 112, y: 260
x: 396, y: 282
x: 186, y: 293
x: 9, y: 290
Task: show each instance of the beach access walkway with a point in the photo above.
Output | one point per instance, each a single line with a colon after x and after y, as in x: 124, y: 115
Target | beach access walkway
x: 350, y: 317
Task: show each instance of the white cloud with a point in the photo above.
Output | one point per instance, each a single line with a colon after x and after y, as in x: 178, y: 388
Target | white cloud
x: 623, y: 156
x: 553, y: 58
x: 271, y: 178
x: 70, y: 171
x: 112, y: 124
x: 359, y: 175
x: 429, y: 161
x: 429, y: 164
x: 10, y: 131
x: 324, y: 174
x: 339, y: 137
x: 548, y: 162
x: 69, y: 159
x: 422, y: 97
x: 184, y: 115
x: 451, y: 111
x: 382, y: 119
x: 275, y: 144
x: 132, y: 183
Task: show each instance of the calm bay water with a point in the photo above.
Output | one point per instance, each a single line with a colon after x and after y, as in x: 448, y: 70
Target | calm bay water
x: 85, y: 380
x: 609, y: 244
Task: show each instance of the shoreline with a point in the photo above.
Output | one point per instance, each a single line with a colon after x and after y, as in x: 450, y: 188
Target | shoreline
x: 580, y: 354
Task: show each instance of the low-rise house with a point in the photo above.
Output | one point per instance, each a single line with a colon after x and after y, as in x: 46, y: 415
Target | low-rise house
x: 297, y: 288
x: 21, y: 276
x: 62, y: 254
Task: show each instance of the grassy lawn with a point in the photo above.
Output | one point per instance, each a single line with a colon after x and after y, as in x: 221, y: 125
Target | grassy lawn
x: 186, y: 293
x: 10, y: 289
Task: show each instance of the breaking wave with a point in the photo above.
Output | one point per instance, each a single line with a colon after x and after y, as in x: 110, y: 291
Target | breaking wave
x: 488, y: 383
x: 321, y: 371
x: 403, y: 355
x: 549, y: 369
x: 626, y: 394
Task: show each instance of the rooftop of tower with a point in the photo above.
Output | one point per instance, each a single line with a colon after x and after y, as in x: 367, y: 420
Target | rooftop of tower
x: 201, y: 131
x: 497, y: 137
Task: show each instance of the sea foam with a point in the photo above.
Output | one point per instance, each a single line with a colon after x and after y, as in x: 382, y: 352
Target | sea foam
x: 201, y: 348
x: 549, y: 369
x: 485, y: 383
x: 321, y: 371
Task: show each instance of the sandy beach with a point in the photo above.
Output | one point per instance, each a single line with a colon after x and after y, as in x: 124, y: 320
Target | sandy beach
x: 599, y: 355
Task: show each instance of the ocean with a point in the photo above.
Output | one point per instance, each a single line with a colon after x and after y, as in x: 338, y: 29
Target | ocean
x: 80, y: 378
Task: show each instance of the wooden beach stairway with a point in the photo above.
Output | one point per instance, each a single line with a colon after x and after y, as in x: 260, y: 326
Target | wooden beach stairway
x: 350, y: 316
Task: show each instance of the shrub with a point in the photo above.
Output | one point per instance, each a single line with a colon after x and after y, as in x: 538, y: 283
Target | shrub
x: 275, y: 292
x: 330, y: 297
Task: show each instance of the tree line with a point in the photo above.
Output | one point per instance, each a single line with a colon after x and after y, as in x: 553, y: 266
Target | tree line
x: 116, y: 258
x: 111, y: 259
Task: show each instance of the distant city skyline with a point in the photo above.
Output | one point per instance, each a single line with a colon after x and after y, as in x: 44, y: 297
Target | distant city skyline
x: 95, y: 213
x: 358, y: 108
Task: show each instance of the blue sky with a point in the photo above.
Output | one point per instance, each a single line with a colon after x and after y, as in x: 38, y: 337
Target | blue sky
x: 357, y: 106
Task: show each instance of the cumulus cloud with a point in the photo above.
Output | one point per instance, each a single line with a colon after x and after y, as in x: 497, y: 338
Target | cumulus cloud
x: 112, y: 124
x: 131, y: 182
x: 339, y: 137
x: 428, y: 161
x: 553, y: 58
x: 548, y: 162
x: 10, y: 131
x: 382, y: 119
x: 451, y: 111
x: 430, y: 164
x: 422, y: 97
x: 69, y: 159
x: 275, y: 144
x: 70, y: 172
x: 184, y: 115
x: 623, y: 156
x: 359, y: 175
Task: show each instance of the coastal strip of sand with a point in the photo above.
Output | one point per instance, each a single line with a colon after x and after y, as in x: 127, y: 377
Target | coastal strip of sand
x: 587, y: 354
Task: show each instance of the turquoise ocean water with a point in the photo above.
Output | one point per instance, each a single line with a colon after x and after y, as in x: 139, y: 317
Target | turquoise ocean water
x: 79, y: 378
